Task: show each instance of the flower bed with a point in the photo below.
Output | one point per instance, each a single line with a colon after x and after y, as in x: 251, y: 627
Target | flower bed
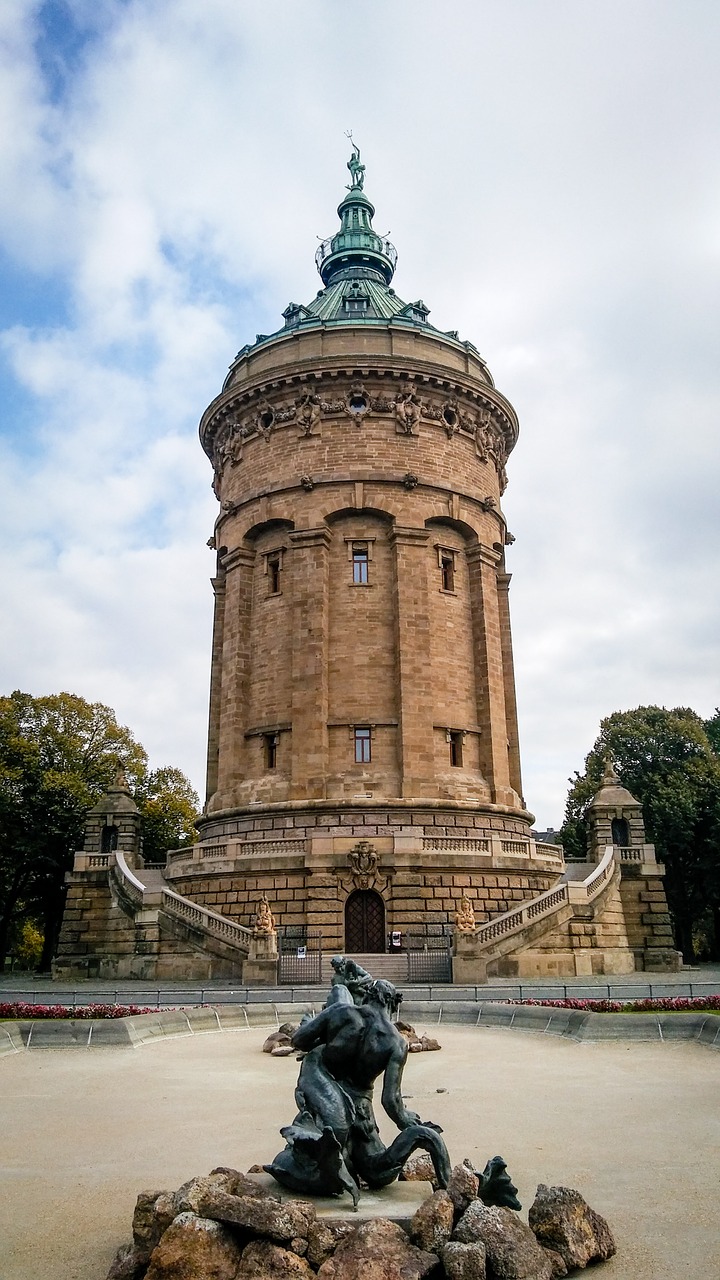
x: 18, y: 1010
x: 655, y: 1004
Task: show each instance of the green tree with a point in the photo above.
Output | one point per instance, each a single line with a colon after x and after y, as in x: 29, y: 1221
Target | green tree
x: 58, y: 755
x: 169, y: 808
x: 666, y: 759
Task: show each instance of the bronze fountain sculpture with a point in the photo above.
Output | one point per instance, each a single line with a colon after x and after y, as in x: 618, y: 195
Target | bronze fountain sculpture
x: 333, y: 1144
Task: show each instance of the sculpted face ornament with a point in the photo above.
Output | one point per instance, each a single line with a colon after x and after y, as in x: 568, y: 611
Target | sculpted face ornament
x: 363, y: 864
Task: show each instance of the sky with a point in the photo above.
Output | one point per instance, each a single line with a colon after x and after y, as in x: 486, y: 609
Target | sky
x: 548, y: 170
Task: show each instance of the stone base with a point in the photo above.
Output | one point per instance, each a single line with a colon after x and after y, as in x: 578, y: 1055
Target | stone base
x: 260, y: 973
x: 662, y: 960
x: 396, y: 1203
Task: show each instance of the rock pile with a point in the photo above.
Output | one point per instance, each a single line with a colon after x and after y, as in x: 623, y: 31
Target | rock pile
x: 279, y: 1043
x: 227, y: 1227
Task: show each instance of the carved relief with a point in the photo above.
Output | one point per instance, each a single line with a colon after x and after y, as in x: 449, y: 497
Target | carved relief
x: 307, y: 483
x: 363, y: 862
x: 264, y: 419
x: 357, y: 403
x: 451, y: 417
x: 408, y: 412
x: 410, y: 481
x: 307, y: 413
x: 482, y: 421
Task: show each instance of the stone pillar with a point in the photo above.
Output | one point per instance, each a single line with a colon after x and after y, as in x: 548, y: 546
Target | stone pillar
x: 490, y: 674
x: 237, y: 616
x: 310, y: 634
x: 261, y: 967
x: 218, y: 585
x: 415, y: 732
x: 469, y: 968
x: 511, y: 718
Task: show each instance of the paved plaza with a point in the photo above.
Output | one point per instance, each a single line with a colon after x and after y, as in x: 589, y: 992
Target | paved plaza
x: 634, y: 1126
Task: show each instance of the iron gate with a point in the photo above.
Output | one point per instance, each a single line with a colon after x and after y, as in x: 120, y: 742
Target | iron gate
x: 429, y: 955
x: 300, y: 957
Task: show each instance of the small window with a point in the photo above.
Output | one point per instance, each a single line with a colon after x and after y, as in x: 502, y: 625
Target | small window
x: 270, y: 746
x: 109, y: 839
x: 447, y: 571
x: 456, y: 749
x: 362, y: 745
x: 360, y: 560
x: 273, y: 572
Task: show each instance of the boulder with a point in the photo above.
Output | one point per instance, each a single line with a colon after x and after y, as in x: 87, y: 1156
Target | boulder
x: 154, y: 1211
x: 432, y: 1224
x: 194, y: 1248
x: 378, y: 1250
x: 559, y: 1269
x: 513, y: 1253
x: 239, y: 1184
x: 463, y: 1186
x: 275, y: 1039
x: 464, y: 1261
x: 271, y: 1219
x: 324, y: 1237
x: 262, y: 1260
x: 128, y: 1264
x: 429, y: 1045
x: 190, y: 1197
x: 282, y: 1050
x: 419, y: 1168
x: 564, y: 1222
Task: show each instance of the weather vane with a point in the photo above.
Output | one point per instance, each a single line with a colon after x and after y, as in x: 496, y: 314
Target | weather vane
x: 357, y: 170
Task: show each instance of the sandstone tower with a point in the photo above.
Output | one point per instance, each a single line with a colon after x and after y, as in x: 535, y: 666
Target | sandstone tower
x: 362, y: 677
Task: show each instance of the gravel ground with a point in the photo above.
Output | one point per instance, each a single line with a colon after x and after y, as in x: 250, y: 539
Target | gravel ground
x: 634, y: 1127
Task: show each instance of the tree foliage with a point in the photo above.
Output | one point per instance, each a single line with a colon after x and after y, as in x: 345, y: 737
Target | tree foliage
x: 58, y: 755
x: 668, y: 760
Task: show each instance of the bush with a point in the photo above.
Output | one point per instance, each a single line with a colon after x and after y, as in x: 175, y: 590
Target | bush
x: 656, y: 1004
x: 18, y: 1010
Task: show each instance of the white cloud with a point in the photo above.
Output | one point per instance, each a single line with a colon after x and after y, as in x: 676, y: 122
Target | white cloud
x: 548, y: 174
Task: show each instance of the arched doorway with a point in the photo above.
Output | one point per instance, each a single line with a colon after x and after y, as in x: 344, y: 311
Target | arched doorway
x: 364, y: 922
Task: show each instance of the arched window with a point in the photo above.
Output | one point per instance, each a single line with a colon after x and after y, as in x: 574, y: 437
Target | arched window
x: 364, y: 922
x: 620, y: 833
x: 109, y: 839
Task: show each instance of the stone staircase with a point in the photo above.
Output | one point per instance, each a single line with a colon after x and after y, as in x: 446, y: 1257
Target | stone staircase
x: 393, y: 967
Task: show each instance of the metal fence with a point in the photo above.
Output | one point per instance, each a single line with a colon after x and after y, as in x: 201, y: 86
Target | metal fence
x: 300, y: 957
x: 429, y: 955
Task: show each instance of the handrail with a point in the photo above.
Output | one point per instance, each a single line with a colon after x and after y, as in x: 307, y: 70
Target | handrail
x: 134, y: 888
x: 173, y: 904
x: 602, y: 872
x: 549, y: 902
x: 517, y: 918
x: 210, y: 921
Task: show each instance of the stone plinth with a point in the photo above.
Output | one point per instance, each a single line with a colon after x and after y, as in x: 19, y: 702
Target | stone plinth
x: 261, y: 967
x: 396, y: 1203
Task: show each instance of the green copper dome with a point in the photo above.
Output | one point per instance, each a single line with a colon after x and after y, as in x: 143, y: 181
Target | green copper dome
x: 356, y: 266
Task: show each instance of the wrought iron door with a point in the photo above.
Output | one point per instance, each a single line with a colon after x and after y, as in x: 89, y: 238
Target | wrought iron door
x: 364, y: 922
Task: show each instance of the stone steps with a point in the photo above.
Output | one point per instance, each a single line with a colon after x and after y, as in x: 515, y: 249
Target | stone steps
x: 392, y: 967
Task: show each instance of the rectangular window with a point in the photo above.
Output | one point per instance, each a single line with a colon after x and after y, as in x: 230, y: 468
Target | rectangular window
x: 273, y: 572
x: 456, y: 749
x: 360, y: 560
x: 270, y: 746
x: 447, y: 570
x: 362, y: 746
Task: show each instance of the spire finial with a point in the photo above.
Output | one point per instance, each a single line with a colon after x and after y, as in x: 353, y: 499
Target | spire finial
x: 357, y: 170
x: 610, y: 778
